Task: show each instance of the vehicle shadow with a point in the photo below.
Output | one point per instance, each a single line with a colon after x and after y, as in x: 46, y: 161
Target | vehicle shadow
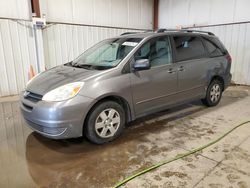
x: 77, y: 162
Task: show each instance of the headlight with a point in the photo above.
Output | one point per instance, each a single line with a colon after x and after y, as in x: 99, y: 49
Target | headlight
x: 63, y: 92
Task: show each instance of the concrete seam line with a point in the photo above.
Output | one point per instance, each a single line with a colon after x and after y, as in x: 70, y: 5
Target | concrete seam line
x: 177, y: 157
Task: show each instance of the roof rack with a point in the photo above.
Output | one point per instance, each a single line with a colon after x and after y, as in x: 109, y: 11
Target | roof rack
x: 132, y: 32
x: 184, y: 30
x: 128, y: 33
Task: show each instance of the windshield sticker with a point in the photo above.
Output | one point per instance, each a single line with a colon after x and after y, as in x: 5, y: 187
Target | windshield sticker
x: 130, y: 43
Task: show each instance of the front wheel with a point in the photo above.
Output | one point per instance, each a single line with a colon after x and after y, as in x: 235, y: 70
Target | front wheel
x: 214, y: 93
x: 105, y: 122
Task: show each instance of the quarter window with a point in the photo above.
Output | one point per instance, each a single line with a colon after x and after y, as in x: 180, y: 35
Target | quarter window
x: 213, y: 50
x: 157, y: 51
x: 188, y: 47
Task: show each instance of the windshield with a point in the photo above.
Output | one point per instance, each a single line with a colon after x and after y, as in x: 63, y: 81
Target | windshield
x: 106, y: 54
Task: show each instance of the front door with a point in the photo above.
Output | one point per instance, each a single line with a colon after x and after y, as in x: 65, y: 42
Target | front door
x: 154, y: 88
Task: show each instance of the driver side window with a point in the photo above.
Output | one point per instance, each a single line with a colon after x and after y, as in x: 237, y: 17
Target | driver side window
x: 156, y: 50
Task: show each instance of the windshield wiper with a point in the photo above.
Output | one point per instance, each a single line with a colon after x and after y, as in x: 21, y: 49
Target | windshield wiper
x: 109, y: 60
x: 84, y: 66
x: 69, y: 64
x: 88, y: 66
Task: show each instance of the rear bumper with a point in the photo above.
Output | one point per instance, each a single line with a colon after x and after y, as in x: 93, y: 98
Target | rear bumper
x: 227, y: 80
x: 57, y: 120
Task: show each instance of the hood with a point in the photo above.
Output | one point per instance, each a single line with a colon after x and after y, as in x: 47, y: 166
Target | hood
x: 58, y: 76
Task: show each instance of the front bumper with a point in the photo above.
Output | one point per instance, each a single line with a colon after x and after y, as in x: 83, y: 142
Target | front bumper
x: 57, y: 120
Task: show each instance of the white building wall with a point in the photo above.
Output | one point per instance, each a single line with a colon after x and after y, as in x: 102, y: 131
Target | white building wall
x: 17, y: 46
x: 115, y: 13
x: 236, y: 37
x: 187, y: 13
x: 19, y: 9
x: 17, y: 53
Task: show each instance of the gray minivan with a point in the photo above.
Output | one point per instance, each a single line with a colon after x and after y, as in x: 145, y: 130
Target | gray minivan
x: 124, y: 78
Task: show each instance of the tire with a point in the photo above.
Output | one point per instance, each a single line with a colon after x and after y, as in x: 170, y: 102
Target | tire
x: 214, y: 93
x: 105, y: 122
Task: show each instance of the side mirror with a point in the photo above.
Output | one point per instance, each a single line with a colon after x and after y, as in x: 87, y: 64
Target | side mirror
x: 141, y: 64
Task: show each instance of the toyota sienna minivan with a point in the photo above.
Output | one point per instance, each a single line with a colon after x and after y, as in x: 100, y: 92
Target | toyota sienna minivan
x: 124, y: 78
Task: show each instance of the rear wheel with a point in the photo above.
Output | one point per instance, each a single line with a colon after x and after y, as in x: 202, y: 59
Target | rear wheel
x: 214, y: 93
x: 105, y: 122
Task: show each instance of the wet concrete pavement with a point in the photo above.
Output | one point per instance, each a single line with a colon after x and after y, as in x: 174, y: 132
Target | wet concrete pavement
x: 30, y: 160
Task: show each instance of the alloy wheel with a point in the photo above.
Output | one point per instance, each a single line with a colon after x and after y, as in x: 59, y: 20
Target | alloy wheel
x: 107, y: 123
x: 215, y: 93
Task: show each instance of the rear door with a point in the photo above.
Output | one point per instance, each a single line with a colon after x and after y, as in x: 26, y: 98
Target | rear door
x: 154, y: 88
x: 191, y: 61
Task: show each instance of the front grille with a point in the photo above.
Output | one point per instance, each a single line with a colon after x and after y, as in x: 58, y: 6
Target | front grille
x: 33, y: 96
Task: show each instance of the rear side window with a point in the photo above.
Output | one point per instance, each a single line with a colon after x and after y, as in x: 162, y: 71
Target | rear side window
x: 156, y: 50
x: 213, y: 49
x: 188, y: 47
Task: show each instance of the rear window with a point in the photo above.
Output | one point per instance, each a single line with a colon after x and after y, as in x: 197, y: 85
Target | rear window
x: 188, y: 47
x: 213, y: 49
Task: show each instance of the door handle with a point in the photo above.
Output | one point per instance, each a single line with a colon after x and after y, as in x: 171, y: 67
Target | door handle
x: 171, y: 71
x: 181, y: 68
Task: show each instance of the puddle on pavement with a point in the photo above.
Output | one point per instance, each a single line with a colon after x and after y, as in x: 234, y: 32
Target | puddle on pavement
x: 76, y: 162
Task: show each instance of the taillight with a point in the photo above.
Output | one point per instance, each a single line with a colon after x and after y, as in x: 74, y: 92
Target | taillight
x: 229, y: 58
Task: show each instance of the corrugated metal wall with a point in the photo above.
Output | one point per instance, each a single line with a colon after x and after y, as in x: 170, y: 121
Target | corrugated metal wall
x: 17, y: 53
x: 186, y: 13
x: 18, y: 9
x: 116, y: 13
x: 63, y: 43
x: 236, y: 38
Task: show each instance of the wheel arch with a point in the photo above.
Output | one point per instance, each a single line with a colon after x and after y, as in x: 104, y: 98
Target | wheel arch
x: 220, y: 78
x: 120, y: 100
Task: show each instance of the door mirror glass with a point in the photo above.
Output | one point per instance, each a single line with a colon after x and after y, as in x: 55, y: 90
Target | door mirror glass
x: 141, y: 64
